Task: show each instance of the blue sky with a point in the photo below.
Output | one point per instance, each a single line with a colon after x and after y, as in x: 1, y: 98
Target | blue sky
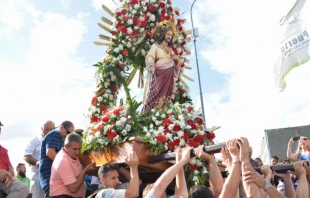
x: 47, y: 53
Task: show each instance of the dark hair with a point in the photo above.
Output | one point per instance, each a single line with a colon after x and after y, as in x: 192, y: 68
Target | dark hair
x: 199, y: 191
x: 161, y: 38
x: 105, y: 169
x: 67, y: 124
x: 287, y: 160
x: 19, y: 165
x: 275, y: 157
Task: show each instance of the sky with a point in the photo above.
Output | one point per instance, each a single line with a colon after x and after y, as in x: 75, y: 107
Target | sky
x: 47, y: 53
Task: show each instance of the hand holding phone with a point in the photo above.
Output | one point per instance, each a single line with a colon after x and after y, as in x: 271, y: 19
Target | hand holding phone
x: 296, y: 138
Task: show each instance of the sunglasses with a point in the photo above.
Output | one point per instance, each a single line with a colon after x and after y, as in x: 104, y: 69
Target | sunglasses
x: 303, y: 139
x: 67, y: 130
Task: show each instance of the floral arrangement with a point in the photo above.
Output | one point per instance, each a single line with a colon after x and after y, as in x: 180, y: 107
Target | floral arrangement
x: 132, y: 34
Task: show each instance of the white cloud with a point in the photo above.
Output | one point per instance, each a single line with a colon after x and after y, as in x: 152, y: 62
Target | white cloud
x: 97, y: 4
x: 82, y: 15
x: 243, y: 47
x: 65, y: 3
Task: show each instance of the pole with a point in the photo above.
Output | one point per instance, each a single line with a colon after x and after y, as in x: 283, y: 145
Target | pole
x: 197, y: 64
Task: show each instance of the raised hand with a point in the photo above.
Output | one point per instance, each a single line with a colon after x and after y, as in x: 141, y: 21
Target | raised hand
x: 299, y: 168
x: 233, y: 148
x: 201, y: 154
x: 307, y: 168
x: 132, y: 160
x: 244, y: 149
x: 91, y: 167
x: 226, y: 158
x: 290, y: 142
x: 251, y: 176
x: 186, y: 153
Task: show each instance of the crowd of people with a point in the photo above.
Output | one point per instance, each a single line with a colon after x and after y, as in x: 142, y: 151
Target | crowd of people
x: 56, y: 171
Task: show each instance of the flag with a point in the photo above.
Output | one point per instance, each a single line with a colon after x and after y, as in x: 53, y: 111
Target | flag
x: 294, y: 37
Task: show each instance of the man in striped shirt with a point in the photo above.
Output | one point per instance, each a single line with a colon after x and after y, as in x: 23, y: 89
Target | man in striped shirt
x: 51, y: 145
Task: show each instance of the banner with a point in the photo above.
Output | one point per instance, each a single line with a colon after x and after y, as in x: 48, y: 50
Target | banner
x: 294, y: 37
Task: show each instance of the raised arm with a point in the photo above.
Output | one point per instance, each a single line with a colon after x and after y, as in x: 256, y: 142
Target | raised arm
x: 216, y: 180
x: 133, y: 187
x: 302, y: 190
x: 165, y: 179
x: 289, y: 151
x: 180, y: 184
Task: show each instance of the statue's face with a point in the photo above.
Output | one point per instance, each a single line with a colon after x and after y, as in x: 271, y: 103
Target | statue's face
x: 169, y: 36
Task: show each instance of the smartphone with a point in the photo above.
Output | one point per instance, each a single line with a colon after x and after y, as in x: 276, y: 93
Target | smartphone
x: 296, y: 138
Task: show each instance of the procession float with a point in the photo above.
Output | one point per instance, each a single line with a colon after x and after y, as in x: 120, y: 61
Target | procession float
x: 166, y: 121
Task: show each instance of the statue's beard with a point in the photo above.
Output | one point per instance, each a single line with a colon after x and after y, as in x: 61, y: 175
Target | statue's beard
x: 22, y: 174
x: 168, y: 41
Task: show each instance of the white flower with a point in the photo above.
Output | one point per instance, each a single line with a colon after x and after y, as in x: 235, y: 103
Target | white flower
x: 170, y: 127
x: 123, y: 119
x: 152, y: 40
x: 148, y: 134
x: 188, y: 127
x: 193, y: 161
x: 142, y: 30
x: 161, y: 129
x: 195, y: 178
x: 151, y: 126
x: 113, y: 78
x: 196, y: 172
x: 199, y: 163
x: 157, y: 114
x: 130, y: 21
x: 182, y: 142
x: 98, y: 110
x: 157, y: 123
x: 97, y: 134
x: 169, y: 111
x: 108, y: 90
x: 141, y: 18
x: 120, y: 46
x: 169, y: 136
x: 154, y: 119
x: 136, y: 28
x: 128, y: 45
x: 134, y: 12
x: 205, y: 171
x: 144, y: 8
x: 144, y: 128
x: 166, y: 147
x: 143, y: 52
x: 180, y: 133
x: 136, y: 6
x: 163, y: 115
x: 99, y: 99
x: 124, y: 132
x: 194, y: 131
x: 128, y: 127
x: 119, y: 123
x: 116, y: 50
x: 106, y: 95
x: 129, y: 30
x: 101, y: 141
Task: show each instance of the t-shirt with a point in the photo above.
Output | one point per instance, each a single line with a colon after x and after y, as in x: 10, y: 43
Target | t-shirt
x: 51, y: 140
x: 4, y: 159
x: 111, y: 193
x: 34, y: 149
x: 26, y: 180
x: 65, y: 171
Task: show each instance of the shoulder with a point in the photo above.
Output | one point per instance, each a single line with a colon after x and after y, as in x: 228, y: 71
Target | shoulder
x: 52, y: 136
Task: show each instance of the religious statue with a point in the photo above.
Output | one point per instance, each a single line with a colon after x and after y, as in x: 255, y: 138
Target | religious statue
x: 163, y: 69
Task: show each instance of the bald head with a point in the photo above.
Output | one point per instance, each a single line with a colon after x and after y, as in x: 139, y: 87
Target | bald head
x: 47, y: 127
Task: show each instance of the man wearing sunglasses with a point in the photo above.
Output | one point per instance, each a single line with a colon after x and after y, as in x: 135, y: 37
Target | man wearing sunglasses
x: 32, y: 157
x: 52, y: 143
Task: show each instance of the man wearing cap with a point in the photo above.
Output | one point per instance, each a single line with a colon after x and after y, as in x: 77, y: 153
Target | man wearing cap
x: 32, y: 157
x: 52, y: 143
x: 8, y: 185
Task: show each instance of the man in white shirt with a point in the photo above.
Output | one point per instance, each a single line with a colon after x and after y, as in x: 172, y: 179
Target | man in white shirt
x: 32, y: 157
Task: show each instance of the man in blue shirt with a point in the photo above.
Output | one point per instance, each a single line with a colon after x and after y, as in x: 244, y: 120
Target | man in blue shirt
x: 51, y: 144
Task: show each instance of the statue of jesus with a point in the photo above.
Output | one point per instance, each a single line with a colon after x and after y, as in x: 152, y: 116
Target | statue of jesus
x: 164, y: 68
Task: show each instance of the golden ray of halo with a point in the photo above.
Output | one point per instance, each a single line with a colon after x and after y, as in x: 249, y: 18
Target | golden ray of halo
x: 101, y: 43
x: 104, y: 37
x: 108, y: 10
x: 104, y: 27
x: 182, y: 81
x: 131, y: 76
x: 107, y: 21
x: 187, y: 77
x: 187, y: 67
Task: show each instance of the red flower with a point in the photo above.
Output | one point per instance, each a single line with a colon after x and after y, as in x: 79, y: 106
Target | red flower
x: 123, y: 30
x: 100, y: 127
x: 210, y: 135
x: 111, y: 134
x: 166, y: 122
x: 192, y: 142
x: 94, y: 101
x: 162, y: 4
x: 199, y: 120
x: 125, y: 52
x: 168, y: 17
x: 198, y: 138
x: 177, y: 13
x: 101, y: 91
x: 125, y: 18
x: 176, y: 128
x: 176, y: 142
x: 135, y: 32
x: 189, y: 109
x: 94, y: 119
x: 116, y: 112
x: 166, y: 130
x: 135, y: 20
x: 171, y: 146
x: 106, y: 119
x: 161, y: 138
x: 134, y: 2
x: 120, y: 66
x: 153, y: 9
x: 113, y: 89
x: 163, y: 12
x: 186, y: 135
x: 181, y: 91
x: 124, y: 11
x: 113, y: 33
x: 189, y: 122
x: 102, y: 107
x: 149, y: 33
x: 162, y: 17
x: 192, y: 168
x: 131, y: 36
x: 193, y: 126
x: 118, y: 14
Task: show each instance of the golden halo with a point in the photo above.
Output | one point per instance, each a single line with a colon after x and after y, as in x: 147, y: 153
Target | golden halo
x: 164, y: 25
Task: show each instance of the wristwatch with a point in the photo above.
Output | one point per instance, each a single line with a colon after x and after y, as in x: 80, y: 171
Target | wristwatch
x: 235, y: 160
x: 267, y: 185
